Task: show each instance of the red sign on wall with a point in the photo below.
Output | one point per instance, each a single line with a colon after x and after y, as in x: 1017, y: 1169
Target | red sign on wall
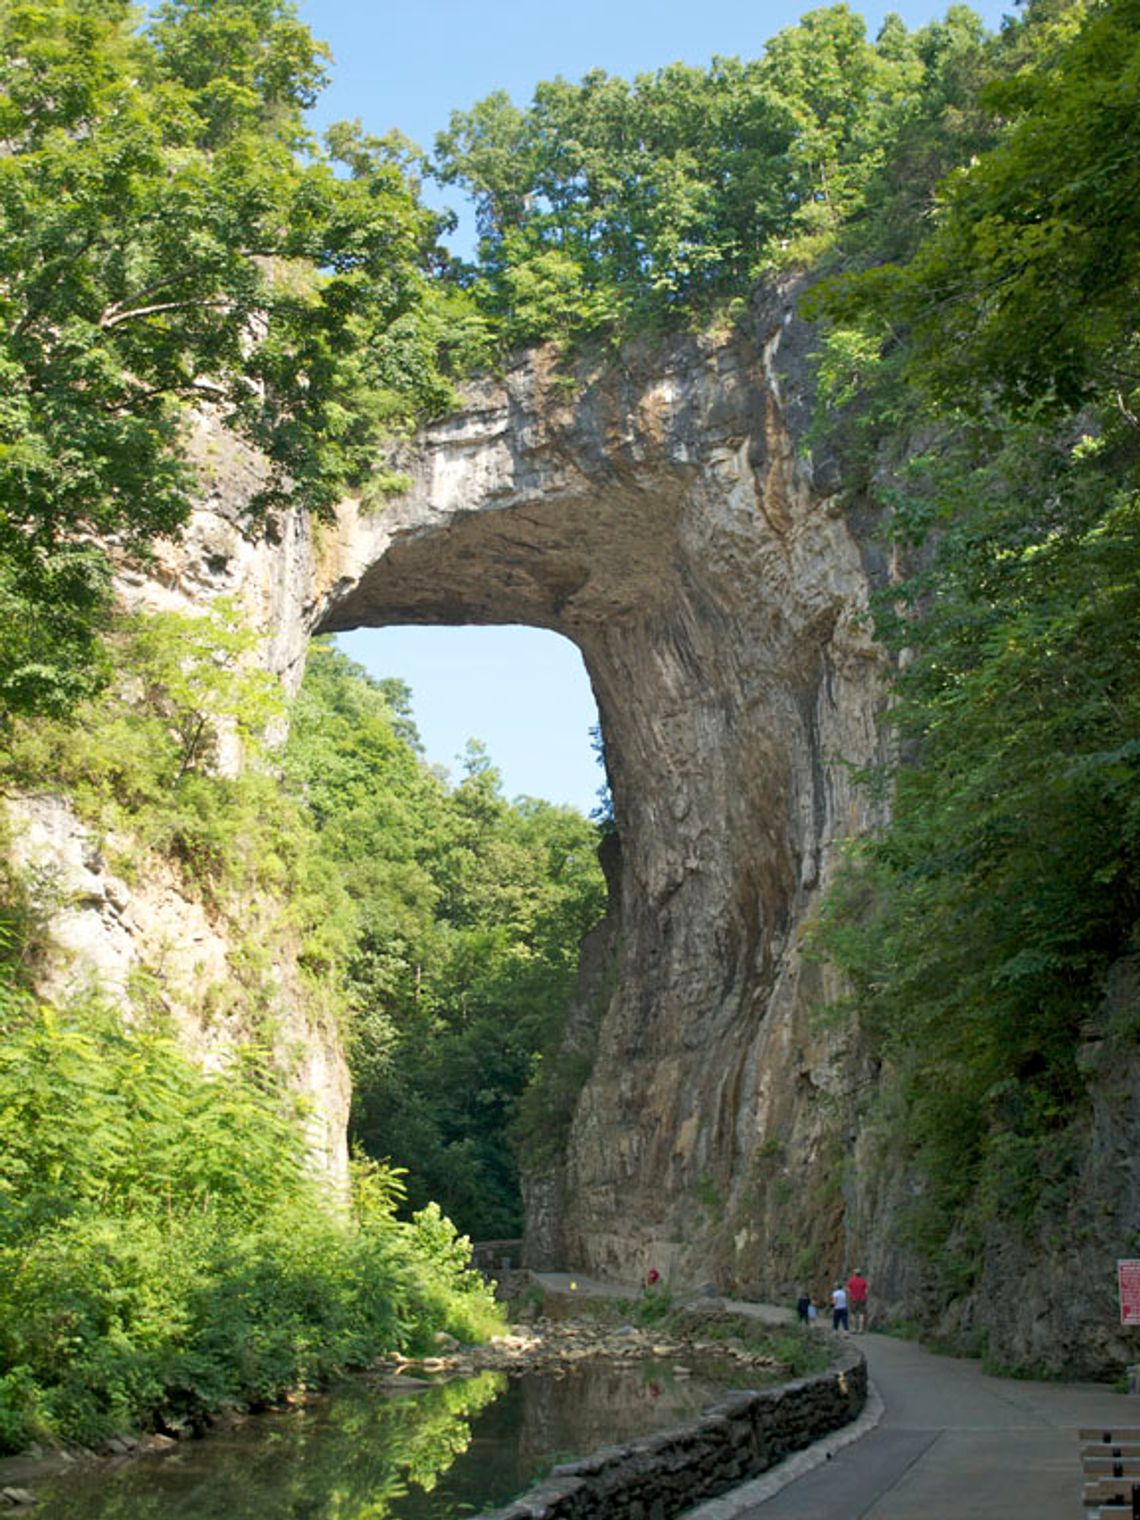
x: 1128, y: 1277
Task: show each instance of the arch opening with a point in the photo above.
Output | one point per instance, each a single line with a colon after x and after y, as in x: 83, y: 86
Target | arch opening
x: 523, y: 693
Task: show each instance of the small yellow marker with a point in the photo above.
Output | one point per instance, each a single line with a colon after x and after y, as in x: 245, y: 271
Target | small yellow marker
x: 573, y: 1285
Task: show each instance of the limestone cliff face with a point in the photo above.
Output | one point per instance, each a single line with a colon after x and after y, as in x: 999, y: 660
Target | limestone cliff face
x: 660, y: 510
x: 658, y: 513
x: 117, y: 935
x: 153, y: 937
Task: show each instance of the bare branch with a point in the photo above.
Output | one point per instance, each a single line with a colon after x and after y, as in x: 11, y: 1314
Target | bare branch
x: 193, y: 388
x: 112, y: 318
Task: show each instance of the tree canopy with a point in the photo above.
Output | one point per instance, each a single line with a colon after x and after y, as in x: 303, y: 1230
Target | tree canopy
x: 611, y: 205
x: 172, y: 243
x: 995, y: 418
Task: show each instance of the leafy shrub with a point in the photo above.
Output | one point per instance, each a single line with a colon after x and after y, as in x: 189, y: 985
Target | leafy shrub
x: 164, y: 1250
x: 21, y: 1414
x: 451, y: 1293
x: 654, y: 1305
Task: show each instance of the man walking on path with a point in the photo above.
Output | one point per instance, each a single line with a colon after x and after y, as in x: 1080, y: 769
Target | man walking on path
x: 857, y: 1301
x: 839, y: 1307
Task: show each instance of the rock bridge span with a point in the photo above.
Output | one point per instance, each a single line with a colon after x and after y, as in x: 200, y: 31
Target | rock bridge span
x: 658, y: 509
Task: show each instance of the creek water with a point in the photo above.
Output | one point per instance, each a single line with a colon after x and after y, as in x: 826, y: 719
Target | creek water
x: 448, y: 1451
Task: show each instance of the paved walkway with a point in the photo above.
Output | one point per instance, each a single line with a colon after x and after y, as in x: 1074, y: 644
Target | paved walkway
x: 938, y: 1440
x: 943, y: 1442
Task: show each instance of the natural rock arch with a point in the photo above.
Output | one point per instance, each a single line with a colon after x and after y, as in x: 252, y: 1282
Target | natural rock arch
x: 661, y: 509
x: 657, y: 508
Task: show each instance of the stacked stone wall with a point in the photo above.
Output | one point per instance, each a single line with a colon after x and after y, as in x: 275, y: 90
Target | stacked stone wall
x: 740, y: 1436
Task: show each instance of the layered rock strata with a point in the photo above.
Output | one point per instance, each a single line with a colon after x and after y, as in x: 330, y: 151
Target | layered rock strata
x: 659, y: 511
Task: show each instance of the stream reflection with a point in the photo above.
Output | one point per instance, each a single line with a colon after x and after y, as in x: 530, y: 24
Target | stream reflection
x: 452, y: 1450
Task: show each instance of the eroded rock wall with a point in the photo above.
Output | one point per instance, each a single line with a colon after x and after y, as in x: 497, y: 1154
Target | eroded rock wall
x: 151, y: 940
x: 661, y: 509
x: 666, y: 520
x: 120, y: 919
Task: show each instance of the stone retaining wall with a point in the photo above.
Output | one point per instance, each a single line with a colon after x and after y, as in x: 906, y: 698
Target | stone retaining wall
x: 741, y: 1435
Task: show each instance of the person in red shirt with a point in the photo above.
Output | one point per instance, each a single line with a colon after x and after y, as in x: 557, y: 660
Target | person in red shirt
x: 857, y: 1300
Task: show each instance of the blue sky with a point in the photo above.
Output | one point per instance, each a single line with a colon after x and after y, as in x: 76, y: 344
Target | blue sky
x: 524, y: 693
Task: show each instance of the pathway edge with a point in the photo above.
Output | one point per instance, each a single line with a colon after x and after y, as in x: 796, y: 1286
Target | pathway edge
x: 757, y: 1490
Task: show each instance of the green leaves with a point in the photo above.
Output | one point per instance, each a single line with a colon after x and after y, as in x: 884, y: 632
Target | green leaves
x: 165, y: 1248
x: 197, y: 673
x: 1029, y: 277
x: 468, y: 911
x: 96, y: 1116
x: 610, y: 205
x: 998, y: 428
x: 243, y: 65
x: 607, y: 203
x: 171, y: 240
x: 978, y: 929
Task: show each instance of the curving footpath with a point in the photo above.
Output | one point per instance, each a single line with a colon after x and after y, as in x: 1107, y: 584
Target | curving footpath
x: 940, y: 1441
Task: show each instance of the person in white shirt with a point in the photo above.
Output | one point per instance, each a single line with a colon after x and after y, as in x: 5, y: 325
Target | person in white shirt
x: 839, y: 1307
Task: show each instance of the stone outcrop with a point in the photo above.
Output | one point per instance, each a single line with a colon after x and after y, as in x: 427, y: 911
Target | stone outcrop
x: 656, y: 508
x: 153, y: 932
x: 153, y: 938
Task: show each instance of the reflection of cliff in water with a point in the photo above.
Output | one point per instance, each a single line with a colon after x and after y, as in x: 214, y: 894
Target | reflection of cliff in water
x: 458, y: 1448
x: 598, y: 1404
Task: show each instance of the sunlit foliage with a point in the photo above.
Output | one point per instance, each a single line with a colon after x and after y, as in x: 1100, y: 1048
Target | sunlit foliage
x: 469, y: 911
x: 173, y: 242
x: 994, y: 418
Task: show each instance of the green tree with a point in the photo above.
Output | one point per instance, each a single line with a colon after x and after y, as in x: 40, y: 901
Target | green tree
x: 198, y: 674
x: 172, y: 243
x: 610, y: 205
x: 468, y: 914
x: 165, y: 1249
x: 846, y: 98
x: 607, y: 203
x: 1029, y: 276
x: 979, y: 928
